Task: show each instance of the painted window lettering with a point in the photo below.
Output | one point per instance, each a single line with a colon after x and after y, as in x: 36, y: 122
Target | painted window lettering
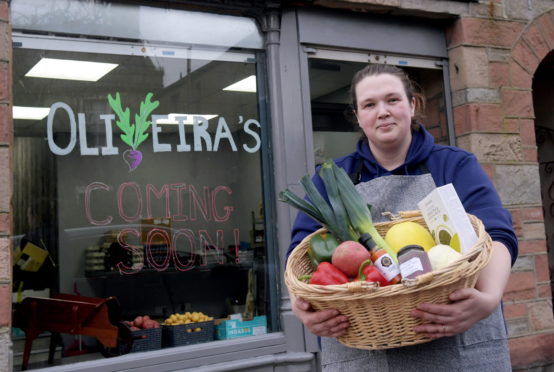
x: 195, y: 137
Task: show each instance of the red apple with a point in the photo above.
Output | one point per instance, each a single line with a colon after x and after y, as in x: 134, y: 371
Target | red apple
x: 348, y: 257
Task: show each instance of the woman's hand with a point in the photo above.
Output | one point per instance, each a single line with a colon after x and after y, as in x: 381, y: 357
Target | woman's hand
x: 469, y: 305
x: 325, y: 323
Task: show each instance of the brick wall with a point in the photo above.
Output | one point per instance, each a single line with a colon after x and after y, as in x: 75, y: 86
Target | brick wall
x: 492, y: 62
x: 6, y: 142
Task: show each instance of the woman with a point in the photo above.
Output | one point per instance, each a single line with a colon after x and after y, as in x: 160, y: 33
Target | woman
x: 395, y: 166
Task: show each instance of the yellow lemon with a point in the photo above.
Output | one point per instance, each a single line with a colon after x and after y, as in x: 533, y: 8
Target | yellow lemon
x: 407, y: 233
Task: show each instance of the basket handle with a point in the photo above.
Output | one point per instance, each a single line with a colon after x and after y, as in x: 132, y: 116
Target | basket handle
x: 361, y: 286
x: 418, y: 280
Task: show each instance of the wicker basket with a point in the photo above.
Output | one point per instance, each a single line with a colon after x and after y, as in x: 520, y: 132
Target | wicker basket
x: 380, y: 317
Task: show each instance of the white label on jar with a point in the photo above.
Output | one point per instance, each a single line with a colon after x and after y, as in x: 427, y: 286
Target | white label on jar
x: 387, y: 266
x: 411, y: 266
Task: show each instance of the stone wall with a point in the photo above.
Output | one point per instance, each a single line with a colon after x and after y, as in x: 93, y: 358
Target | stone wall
x: 492, y: 61
x: 6, y: 142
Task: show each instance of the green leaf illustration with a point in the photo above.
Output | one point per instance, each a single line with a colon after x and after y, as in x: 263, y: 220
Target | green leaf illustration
x: 123, y: 121
x: 141, y: 120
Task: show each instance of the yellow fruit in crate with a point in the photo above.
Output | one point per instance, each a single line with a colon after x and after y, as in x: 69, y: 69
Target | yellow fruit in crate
x: 408, y: 233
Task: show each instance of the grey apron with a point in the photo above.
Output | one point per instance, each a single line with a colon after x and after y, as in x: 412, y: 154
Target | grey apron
x: 484, y: 347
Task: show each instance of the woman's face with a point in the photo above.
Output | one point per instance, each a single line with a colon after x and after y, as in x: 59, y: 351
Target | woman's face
x: 384, y: 111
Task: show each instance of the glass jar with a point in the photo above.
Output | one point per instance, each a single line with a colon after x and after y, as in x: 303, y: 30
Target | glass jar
x: 413, y: 261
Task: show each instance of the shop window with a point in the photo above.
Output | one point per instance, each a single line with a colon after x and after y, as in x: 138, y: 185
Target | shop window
x: 138, y: 180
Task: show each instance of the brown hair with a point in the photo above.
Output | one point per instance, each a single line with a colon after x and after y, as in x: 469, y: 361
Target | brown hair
x: 409, y: 87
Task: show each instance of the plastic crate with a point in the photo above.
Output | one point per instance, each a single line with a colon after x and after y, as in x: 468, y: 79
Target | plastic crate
x: 178, y: 335
x: 233, y: 328
x: 147, y: 339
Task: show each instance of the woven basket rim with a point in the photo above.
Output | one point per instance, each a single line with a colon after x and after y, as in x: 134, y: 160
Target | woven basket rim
x: 465, y: 266
x: 380, y: 317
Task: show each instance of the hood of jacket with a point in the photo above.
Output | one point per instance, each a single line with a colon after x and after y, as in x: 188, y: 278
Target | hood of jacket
x: 419, y: 151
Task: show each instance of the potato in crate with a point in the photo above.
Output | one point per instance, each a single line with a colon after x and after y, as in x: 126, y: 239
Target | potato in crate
x: 187, y: 329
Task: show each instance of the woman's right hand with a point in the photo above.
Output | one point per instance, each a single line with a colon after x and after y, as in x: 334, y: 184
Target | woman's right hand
x: 325, y: 323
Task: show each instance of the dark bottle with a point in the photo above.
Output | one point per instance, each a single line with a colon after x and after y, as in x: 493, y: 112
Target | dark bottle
x: 381, y: 259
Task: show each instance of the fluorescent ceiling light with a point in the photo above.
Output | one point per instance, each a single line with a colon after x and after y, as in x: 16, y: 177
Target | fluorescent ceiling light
x: 172, y: 118
x: 30, y: 113
x: 244, y: 85
x: 67, y: 69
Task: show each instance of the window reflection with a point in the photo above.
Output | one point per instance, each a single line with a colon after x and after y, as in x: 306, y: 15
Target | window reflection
x: 144, y: 185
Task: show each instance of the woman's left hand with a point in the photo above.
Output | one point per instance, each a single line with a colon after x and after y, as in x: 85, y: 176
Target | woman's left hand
x: 468, y: 307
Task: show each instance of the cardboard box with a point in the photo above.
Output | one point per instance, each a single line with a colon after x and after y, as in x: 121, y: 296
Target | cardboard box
x: 447, y: 219
x: 233, y: 328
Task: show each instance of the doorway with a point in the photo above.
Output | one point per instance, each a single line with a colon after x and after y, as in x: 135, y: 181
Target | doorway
x: 543, y: 102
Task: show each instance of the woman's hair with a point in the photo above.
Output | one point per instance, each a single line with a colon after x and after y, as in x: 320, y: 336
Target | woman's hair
x: 409, y: 87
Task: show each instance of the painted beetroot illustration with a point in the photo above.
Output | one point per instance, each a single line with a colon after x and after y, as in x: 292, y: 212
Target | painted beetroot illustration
x: 133, y: 134
x: 132, y: 158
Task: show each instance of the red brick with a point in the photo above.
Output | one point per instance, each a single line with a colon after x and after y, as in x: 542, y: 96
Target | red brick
x: 520, y: 281
x: 524, y: 55
x: 5, y: 304
x: 454, y: 34
x: 528, y: 350
x: 520, y: 78
x: 480, y: 31
x: 517, y: 103
x: 461, y: 120
x: 478, y: 117
x: 532, y: 214
x: 527, y: 133
x: 4, y: 10
x: 533, y: 230
x: 544, y: 290
x: 535, y: 40
x: 530, y: 154
x: 515, y: 310
x: 4, y: 82
x: 499, y: 74
x: 540, y: 315
x: 546, y: 25
x: 527, y: 294
x: 5, y: 124
x: 532, y: 246
x: 5, y: 180
x: 541, y: 268
x: 510, y: 125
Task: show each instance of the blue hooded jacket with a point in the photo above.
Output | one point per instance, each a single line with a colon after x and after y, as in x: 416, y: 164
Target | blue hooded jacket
x: 446, y: 164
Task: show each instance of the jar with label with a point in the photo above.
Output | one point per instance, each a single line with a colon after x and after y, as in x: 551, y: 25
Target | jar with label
x: 413, y: 261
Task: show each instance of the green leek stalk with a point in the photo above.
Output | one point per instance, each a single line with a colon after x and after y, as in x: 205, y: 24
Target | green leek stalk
x: 357, y: 209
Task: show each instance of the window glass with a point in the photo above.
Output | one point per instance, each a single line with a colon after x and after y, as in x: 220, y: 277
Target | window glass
x: 137, y: 169
x: 113, y: 20
x: 335, y: 133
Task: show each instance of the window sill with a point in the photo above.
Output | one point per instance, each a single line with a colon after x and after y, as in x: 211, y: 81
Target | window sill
x: 178, y: 358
